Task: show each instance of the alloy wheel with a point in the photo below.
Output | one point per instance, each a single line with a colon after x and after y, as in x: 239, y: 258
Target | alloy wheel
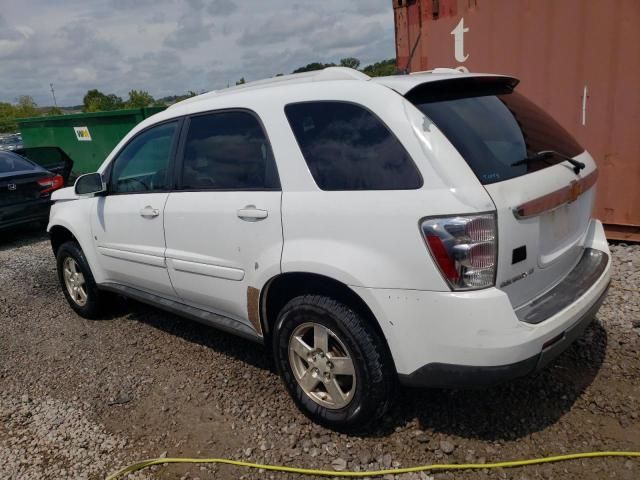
x: 74, y: 281
x: 322, y: 365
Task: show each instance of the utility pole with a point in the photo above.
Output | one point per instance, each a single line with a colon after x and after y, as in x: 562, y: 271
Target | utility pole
x: 53, y: 93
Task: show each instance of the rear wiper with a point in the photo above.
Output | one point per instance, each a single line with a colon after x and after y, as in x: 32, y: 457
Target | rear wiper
x: 544, y: 155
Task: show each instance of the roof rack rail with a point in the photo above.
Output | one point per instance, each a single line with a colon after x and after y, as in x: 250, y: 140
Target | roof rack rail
x: 324, y: 75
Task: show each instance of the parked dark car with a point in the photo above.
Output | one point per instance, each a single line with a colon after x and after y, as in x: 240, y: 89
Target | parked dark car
x: 53, y: 159
x: 25, y: 190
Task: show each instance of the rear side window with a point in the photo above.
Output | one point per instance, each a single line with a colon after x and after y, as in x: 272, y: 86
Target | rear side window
x: 10, y: 162
x: 347, y: 147
x: 228, y: 151
x: 492, y: 132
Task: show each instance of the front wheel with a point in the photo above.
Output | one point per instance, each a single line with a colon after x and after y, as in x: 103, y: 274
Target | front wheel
x: 333, y: 362
x: 77, y: 281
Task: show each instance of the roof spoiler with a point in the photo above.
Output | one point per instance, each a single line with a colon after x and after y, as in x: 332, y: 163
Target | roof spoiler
x: 464, y: 87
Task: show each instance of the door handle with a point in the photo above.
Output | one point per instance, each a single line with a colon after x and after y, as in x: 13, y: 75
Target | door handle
x: 252, y: 214
x: 149, y: 212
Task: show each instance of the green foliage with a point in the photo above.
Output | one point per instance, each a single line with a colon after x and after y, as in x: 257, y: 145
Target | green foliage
x: 242, y: 81
x: 139, y: 99
x: 7, y: 118
x: 54, y: 111
x: 350, y: 62
x: 24, y: 107
x: 310, y: 67
x: 96, y: 101
x: 378, y: 69
x: 381, y: 69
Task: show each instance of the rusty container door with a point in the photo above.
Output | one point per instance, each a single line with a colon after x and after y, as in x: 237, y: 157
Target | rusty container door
x: 578, y: 59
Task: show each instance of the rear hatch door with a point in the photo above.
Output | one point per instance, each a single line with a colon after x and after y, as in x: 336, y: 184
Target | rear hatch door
x: 543, y: 202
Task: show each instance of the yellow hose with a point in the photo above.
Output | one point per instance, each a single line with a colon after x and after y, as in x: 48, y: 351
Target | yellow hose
x: 375, y: 473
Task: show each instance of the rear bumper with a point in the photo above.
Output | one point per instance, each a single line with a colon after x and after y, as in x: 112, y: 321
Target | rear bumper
x: 447, y: 375
x: 14, y: 215
x: 477, y: 338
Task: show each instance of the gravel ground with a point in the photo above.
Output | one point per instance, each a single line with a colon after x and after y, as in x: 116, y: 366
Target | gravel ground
x: 79, y: 398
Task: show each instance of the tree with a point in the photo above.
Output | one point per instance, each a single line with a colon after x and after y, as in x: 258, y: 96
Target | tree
x: 96, y: 101
x: 139, y: 99
x: 26, y: 107
x: 350, y: 62
x: 310, y: 67
x: 7, y: 118
x: 242, y: 81
x: 381, y: 69
x: 54, y: 111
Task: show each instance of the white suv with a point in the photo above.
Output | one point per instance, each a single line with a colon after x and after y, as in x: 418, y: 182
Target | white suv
x: 432, y: 228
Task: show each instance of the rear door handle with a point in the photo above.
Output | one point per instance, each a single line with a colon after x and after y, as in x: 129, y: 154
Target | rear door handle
x: 252, y: 214
x: 149, y: 212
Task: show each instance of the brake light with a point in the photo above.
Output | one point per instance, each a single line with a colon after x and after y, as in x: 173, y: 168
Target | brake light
x: 50, y: 184
x: 465, y: 249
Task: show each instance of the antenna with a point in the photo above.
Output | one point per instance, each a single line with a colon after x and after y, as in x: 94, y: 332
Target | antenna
x: 53, y: 93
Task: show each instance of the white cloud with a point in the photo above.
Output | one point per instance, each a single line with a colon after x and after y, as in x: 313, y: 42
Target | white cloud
x: 171, y: 46
x: 25, y: 30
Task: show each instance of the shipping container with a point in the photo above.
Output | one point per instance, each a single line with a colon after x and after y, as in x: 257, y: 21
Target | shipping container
x: 87, y: 138
x: 578, y: 59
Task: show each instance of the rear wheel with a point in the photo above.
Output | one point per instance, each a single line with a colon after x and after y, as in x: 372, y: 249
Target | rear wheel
x: 77, y: 281
x: 333, y: 362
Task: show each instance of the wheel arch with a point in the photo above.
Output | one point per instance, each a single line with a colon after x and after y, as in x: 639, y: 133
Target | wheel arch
x: 58, y: 235
x: 286, y: 286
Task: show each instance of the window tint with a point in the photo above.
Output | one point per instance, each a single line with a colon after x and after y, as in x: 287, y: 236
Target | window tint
x: 143, y: 164
x: 10, y: 162
x: 492, y: 132
x: 228, y: 150
x: 348, y: 148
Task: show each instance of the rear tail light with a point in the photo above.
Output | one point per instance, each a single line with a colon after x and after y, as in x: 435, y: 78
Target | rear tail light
x: 50, y: 184
x: 465, y: 249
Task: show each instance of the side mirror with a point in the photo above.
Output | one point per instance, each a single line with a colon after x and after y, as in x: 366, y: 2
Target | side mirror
x: 90, y: 184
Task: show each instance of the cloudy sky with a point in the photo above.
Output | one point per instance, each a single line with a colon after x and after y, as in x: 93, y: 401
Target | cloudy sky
x: 172, y: 46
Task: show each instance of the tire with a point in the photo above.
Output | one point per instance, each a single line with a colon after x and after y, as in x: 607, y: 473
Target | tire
x: 70, y: 254
x: 367, y: 393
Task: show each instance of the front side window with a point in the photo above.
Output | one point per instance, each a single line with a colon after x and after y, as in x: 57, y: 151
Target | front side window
x: 347, y: 147
x: 143, y: 164
x: 228, y: 151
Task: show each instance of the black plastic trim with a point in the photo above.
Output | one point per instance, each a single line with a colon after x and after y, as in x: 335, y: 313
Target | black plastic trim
x: 202, y: 316
x: 584, y: 275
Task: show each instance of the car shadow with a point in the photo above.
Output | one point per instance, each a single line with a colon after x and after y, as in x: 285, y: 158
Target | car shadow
x: 508, y: 411
x: 234, y: 346
x: 504, y: 412
x: 21, y: 236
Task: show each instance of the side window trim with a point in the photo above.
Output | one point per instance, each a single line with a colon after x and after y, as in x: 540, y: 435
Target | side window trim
x: 179, y: 164
x: 171, y: 180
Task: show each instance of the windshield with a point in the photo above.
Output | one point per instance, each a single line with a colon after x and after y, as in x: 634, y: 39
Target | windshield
x: 492, y: 132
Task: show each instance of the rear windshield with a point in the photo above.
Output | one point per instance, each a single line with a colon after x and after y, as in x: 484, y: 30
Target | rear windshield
x: 493, y: 131
x: 10, y: 162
